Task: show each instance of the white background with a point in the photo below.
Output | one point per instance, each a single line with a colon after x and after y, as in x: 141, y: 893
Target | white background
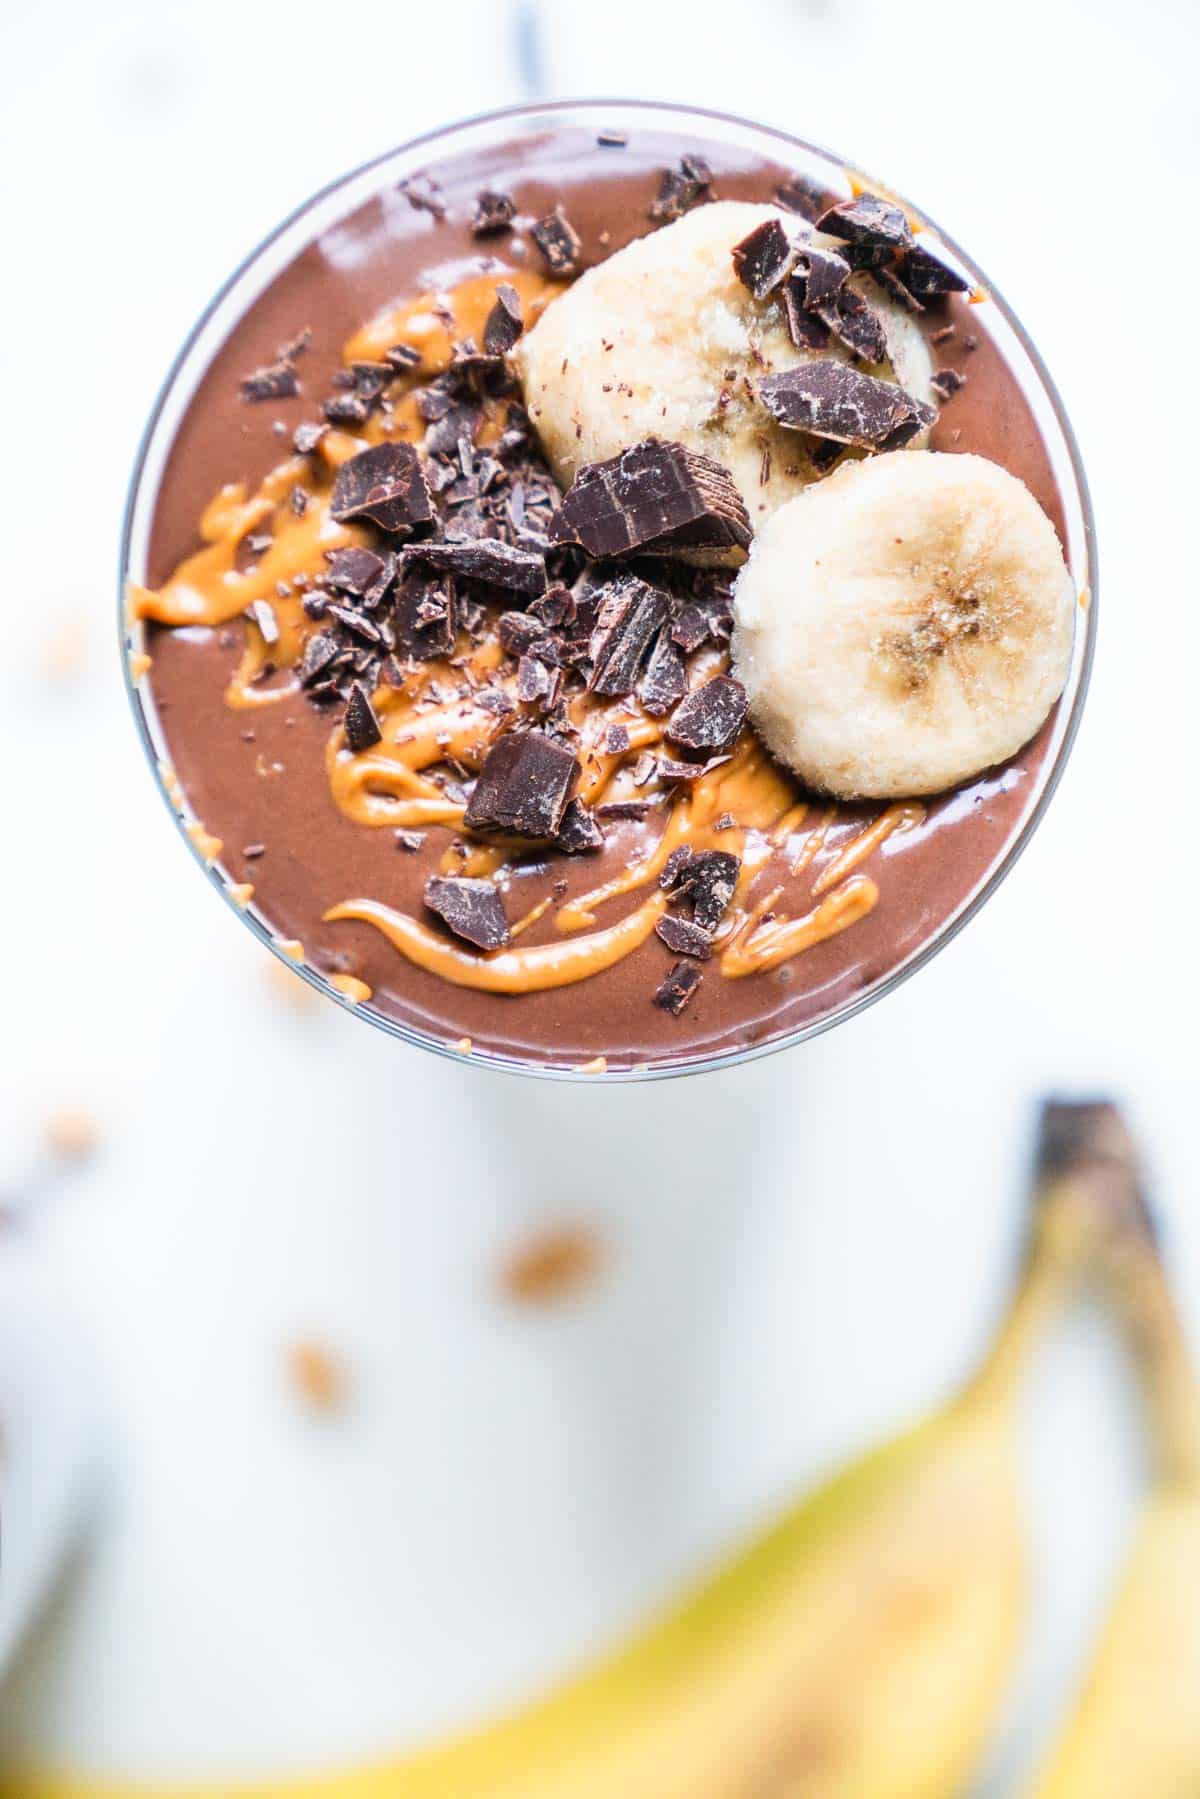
x: 803, y: 1252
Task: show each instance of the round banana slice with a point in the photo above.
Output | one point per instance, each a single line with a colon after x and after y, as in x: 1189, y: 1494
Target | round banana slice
x: 663, y: 340
x: 903, y: 625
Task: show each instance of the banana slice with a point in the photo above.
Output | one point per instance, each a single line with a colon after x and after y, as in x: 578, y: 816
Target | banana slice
x: 663, y: 340
x: 903, y: 625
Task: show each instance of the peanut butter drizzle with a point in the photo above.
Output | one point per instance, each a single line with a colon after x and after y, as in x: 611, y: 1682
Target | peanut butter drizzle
x: 351, y: 988
x: 902, y: 817
x: 386, y: 785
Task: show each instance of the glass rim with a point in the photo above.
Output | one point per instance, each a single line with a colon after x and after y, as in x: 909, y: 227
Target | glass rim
x: 1075, y: 692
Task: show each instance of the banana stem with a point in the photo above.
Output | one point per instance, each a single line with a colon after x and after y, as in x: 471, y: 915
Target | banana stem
x: 1164, y: 1357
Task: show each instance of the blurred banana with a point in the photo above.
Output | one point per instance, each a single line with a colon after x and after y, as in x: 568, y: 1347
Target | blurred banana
x: 857, y: 1650
x: 1135, y: 1730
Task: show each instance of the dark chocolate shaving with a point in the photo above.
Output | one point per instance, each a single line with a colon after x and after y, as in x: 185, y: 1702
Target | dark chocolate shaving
x: 631, y: 616
x: 403, y: 357
x: 473, y: 910
x: 703, y: 879
x: 684, y: 937
x: 487, y: 559
x: 579, y: 834
x: 558, y: 241
x: 425, y: 616
x: 890, y: 281
x: 274, y: 381
x: 361, y: 725
x: 927, y: 276
x: 524, y: 786
x: 494, y: 212
x: 823, y: 273
x: 263, y: 614
x: 711, y: 716
x: 320, y: 651
x: 305, y: 438
x: 762, y: 260
x: 384, y: 484
x: 675, y: 992
x: 361, y: 573
x: 872, y: 225
x: 347, y: 409
x: 409, y: 841
x: 805, y: 329
x: 654, y: 496
x: 855, y: 324
x: 832, y: 400
x: 504, y: 322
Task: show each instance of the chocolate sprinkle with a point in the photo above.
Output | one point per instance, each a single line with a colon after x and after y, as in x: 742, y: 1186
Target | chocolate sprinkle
x: 762, y: 260
x: 361, y: 724
x: 684, y: 937
x: 831, y: 400
x: 494, y: 212
x: 472, y: 909
x: 711, y: 716
x: 558, y: 241
x: 654, y: 496
x: 524, y: 786
x: 384, y: 484
x: 675, y: 992
x: 504, y: 323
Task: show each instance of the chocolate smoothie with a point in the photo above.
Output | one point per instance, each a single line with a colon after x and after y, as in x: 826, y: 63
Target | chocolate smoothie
x: 336, y: 663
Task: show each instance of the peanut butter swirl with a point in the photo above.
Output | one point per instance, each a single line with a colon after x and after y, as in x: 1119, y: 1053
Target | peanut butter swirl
x: 746, y: 805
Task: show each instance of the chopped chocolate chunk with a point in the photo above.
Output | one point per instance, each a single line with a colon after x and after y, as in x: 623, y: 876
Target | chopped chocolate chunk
x: 690, y: 629
x: 871, y: 224
x: 558, y: 241
x: 357, y: 623
x: 409, y: 841
x: 494, y: 212
x: 832, y: 400
x: 524, y: 785
x: 891, y: 282
x: 823, y: 273
x: 556, y: 607
x: 623, y: 809
x: 762, y: 260
x: 631, y: 616
x: 705, y: 878
x: 274, y: 381
x: 533, y: 680
x: 655, y: 495
x: 800, y: 193
x: 384, y: 484
x: 926, y: 275
x: 675, y: 992
x: 361, y: 573
x: 674, y: 870
x: 946, y: 382
x: 426, y: 616
x: 665, y: 679
x: 504, y: 322
x: 711, y: 716
x: 347, y: 409
x: 684, y: 937
x: 305, y: 438
x: 805, y: 329
x: 518, y: 631
x: 457, y: 424
x: 855, y: 324
x: 825, y: 453
x: 473, y: 909
x: 578, y: 833
x: 668, y: 769
x: 361, y: 724
x: 263, y: 614
x: 616, y: 740
x: 319, y: 652
x: 680, y: 189
x: 487, y: 559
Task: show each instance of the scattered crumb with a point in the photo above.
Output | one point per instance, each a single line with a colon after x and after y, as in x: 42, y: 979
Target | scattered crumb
x: 463, y: 1047
x: 204, y: 843
x: 290, y: 947
x: 66, y: 647
x: 598, y: 1066
x: 139, y: 664
x: 241, y: 892
x: 317, y: 1375
x: 553, y: 1264
x: 351, y: 988
x: 72, y: 1134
